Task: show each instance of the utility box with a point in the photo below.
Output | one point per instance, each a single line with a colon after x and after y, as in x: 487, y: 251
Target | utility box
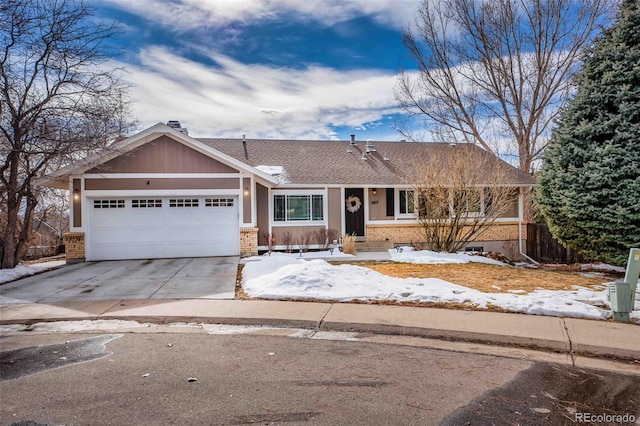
x: 619, y: 293
x: 622, y: 294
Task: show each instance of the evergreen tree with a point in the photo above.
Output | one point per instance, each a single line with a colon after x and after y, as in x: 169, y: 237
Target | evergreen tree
x: 589, y: 185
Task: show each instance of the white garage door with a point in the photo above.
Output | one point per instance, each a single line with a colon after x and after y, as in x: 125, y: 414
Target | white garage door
x: 162, y: 227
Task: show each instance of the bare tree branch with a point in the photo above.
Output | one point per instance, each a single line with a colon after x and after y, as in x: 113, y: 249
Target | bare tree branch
x: 459, y: 195
x: 495, y: 72
x: 59, y: 102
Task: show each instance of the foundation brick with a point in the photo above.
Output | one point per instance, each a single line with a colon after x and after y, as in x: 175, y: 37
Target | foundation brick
x: 74, y: 246
x: 248, y: 242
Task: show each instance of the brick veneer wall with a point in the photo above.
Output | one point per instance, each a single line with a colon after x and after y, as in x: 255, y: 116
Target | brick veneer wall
x: 248, y: 242
x: 74, y: 246
x: 412, y: 232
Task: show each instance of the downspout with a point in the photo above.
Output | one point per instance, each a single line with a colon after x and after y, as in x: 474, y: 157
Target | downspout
x: 520, y: 213
x: 520, y: 244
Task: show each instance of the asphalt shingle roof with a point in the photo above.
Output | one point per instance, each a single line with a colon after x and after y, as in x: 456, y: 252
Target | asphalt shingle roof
x: 330, y: 162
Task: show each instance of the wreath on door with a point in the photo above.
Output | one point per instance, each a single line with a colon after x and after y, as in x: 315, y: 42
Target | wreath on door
x: 353, y: 204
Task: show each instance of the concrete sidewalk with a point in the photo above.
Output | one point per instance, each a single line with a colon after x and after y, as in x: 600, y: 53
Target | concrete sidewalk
x: 563, y: 335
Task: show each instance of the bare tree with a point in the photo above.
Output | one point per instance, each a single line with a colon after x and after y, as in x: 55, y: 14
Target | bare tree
x: 58, y: 102
x: 458, y: 195
x: 495, y: 72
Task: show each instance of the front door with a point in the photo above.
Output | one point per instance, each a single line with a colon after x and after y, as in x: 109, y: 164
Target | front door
x: 354, y: 212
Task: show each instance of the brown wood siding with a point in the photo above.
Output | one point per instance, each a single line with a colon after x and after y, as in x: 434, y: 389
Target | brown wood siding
x: 262, y: 208
x: 246, y: 200
x: 77, y: 203
x: 165, y: 183
x: 163, y: 155
x: 335, y: 210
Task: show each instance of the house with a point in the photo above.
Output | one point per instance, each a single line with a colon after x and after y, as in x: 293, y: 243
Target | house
x: 162, y: 193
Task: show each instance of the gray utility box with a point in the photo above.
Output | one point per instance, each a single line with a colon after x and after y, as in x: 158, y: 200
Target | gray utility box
x: 619, y: 293
x: 622, y: 294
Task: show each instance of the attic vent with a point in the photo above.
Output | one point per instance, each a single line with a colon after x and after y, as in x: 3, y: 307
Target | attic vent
x: 353, y: 140
x: 369, y: 146
x: 175, y: 124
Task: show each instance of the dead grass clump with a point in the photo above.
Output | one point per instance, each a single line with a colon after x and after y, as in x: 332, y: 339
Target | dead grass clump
x: 349, y: 244
x: 488, y: 278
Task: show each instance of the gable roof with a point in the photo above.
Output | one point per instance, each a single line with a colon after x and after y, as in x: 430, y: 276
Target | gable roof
x: 58, y: 178
x: 309, y: 162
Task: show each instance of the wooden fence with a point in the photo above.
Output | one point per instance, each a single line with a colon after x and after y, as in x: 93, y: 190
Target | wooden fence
x: 542, y: 247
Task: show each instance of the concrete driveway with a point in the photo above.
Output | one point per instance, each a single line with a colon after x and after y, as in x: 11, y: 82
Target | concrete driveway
x: 188, y: 278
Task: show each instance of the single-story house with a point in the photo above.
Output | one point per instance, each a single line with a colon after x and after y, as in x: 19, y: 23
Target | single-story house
x: 164, y: 194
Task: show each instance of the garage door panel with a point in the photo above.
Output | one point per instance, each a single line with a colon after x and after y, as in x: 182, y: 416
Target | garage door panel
x: 162, y: 227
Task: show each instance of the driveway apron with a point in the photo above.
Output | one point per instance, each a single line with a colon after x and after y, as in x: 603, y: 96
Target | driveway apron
x: 186, y: 278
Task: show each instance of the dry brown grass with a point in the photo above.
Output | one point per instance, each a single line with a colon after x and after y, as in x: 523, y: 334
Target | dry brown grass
x: 488, y: 278
x: 480, y: 276
x: 349, y: 244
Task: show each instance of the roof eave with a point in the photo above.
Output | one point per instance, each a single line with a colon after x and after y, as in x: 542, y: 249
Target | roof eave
x: 140, y: 139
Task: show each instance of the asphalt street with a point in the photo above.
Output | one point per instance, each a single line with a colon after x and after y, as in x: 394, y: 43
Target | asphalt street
x: 185, y: 378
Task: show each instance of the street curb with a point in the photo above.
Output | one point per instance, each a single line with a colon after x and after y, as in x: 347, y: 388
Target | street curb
x: 590, y: 351
x: 452, y: 335
x: 570, y: 336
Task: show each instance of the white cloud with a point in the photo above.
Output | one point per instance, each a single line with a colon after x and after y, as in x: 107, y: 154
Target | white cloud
x: 190, y: 14
x: 258, y: 100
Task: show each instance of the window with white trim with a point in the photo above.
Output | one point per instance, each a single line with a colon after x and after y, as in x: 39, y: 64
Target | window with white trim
x: 108, y: 204
x: 183, y: 202
x: 146, y: 203
x: 406, y: 204
x: 218, y: 202
x: 297, y: 208
x: 466, y: 202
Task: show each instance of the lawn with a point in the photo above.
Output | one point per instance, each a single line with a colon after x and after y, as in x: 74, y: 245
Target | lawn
x: 432, y: 279
x: 489, y: 278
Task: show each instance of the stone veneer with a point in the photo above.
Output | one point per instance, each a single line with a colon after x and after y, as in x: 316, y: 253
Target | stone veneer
x: 74, y: 246
x: 412, y: 232
x: 248, y: 242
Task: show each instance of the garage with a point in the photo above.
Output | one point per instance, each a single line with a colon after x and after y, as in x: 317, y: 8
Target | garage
x: 162, y: 227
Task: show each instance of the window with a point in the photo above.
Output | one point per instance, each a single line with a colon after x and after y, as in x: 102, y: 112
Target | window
x: 466, y: 202
x: 146, y: 203
x: 108, y: 204
x: 183, y: 202
x: 292, y: 208
x: 434, y: 203
x: 406, y: 203
x: 218, y: 202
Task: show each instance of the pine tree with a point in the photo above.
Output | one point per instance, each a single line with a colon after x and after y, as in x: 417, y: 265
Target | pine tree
x: 589, y: 185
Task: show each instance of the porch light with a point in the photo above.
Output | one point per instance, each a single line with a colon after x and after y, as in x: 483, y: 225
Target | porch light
x: 246, y: 192
x: 374, y: 191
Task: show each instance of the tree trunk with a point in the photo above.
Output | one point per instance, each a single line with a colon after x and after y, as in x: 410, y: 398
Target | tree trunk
x: 9, y: 238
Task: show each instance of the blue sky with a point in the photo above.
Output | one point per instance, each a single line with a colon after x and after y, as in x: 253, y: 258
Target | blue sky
x: 301, y: 69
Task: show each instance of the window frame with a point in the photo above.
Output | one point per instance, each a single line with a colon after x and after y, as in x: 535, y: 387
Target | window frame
x: 399, y: 194
x: 312, y: 195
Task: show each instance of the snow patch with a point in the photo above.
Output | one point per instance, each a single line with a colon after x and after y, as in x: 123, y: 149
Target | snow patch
x: 21, y: 271
x: 282, y: 277
x: 271, y: 170
x: 409, y: 255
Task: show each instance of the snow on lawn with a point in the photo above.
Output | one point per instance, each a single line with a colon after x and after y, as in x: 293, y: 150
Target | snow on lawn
x: 305, y: 255
x: 409, y: 255
x: 282, y: 277
x: 21, y: 271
